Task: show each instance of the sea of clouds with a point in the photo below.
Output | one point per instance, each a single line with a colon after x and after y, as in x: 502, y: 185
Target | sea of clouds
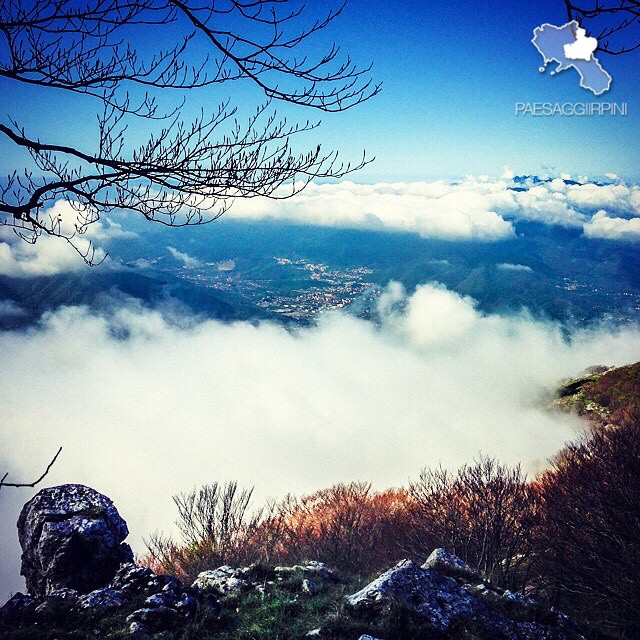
x: 473, y: 209
x: 147, y: 404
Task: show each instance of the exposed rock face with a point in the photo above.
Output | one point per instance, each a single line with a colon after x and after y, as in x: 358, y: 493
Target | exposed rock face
x: 222, y: 581
x: 443, y: 599
x: 444, y: 562
x: 102, y: 600
x: 313, y: 569
x: 71, y: 537
x: 165, y: 601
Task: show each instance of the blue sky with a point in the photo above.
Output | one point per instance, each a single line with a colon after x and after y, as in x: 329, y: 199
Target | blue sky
x: 451, y: 78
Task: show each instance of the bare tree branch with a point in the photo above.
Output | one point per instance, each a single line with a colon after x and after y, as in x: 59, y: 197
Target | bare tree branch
x: 615, y: 23
x: 184, y: 172
x: 4, y: 483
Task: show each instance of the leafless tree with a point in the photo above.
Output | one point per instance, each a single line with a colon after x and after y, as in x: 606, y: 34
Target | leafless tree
x: 37, y: 481
x: 483, y: 514
x: 615, y: 23
x: 589, y: 533
x: 183, y: 172
x: 216, y: 523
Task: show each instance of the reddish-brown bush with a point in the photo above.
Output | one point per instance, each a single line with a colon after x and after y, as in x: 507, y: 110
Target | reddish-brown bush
x: 348, y: 526
x: 588, y: 537
x: 483, y: 514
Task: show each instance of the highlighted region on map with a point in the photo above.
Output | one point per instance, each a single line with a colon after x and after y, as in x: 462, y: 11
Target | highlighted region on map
x: 569, y: 47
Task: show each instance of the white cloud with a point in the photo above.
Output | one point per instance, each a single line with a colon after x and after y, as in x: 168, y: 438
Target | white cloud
x: 51, y: 255
x: 508, y: 266
x: 10, y: 309
x: 145, y: 407
x: 476, y: 208
x: 462, y: 211
x: 612, y: 228
x: 507, y: 174
x: 594, y: 196
x: 46, y: 257
x: 185, y: 258
x: 473, y: 209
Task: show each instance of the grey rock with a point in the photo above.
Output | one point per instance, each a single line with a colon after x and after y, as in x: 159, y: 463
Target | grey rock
x: 55, y: 599
x: 446, y: 563
x: 313, y: 568
x: 132, y: 579
x: 64, y: 594
x: 222, y: 581
x: 155, y: 619
x: 444, y: 602
x: 184, y: 603
x: 104, y: 599
x: 309, y: 587
x: 17, y: 605
x: 434, y: 597
x: 71, y: 536
x: 138, y: 630
x: 524, y: 601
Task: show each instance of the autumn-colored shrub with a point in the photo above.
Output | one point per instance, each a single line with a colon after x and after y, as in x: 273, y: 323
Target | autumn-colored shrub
x: 588, y: 537
x: 572, y: 535
x: 483, y: 514
x: 217, y: 524
x: 348, y: 526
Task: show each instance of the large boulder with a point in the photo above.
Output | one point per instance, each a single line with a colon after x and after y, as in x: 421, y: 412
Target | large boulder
x: 440, y: 596
x: 71, y: 537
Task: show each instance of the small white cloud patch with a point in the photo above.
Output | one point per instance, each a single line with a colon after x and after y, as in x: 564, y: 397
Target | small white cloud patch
x: 188, y: 261
x: 508, y: 266
x: 604, y: 226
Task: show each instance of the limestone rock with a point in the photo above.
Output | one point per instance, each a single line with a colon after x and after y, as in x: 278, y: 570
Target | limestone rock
x: 444, y: 603
x: 71, y: 537
x: 102, y: 600
x: 222, y: 581
x: 446, y: 563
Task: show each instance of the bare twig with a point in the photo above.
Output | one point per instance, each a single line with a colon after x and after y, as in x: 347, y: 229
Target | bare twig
x: 4, y: 483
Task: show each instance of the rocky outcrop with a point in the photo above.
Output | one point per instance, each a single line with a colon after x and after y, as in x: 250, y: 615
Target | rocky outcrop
x: 165, y: 601
x: 71, y: 537
x: 446, y: 563
x: 77, y: 564
x: 222, y: 581
x: 445, y: 594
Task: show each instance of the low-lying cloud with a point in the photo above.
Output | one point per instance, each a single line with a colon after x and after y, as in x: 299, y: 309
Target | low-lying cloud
x: 50, y: 255
x: 147, y: 405
x: 509, y: 266
x: 476, y: 208
x: 187, y: 260
x: 435, y: 210
x: 11, y: 309
x: 612, y: 228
